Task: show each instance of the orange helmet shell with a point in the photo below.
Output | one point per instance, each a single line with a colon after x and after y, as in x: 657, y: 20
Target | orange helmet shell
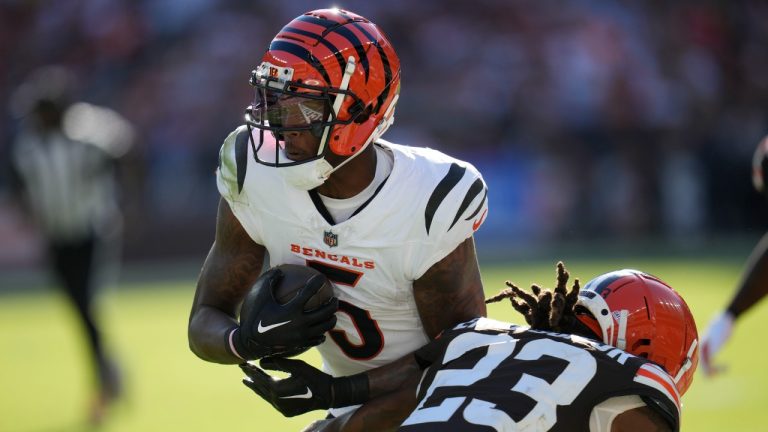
x: 644, y: 316
x: 317, y: 45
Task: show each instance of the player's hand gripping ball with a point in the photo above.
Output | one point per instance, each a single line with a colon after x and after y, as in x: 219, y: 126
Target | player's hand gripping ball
x: 295, y: 277
x: 287, y: 311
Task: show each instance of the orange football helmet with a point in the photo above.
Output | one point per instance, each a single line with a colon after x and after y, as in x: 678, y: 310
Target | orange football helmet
x: 328, y: 71
x: 640, y: 314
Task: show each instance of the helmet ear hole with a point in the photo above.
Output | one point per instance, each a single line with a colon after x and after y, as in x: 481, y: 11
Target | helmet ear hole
x: 640, y: 345
x: 361, y: 114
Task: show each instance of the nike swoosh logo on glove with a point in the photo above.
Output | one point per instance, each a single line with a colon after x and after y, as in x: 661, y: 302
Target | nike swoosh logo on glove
x: 306, y: 395
x: 263, y: 329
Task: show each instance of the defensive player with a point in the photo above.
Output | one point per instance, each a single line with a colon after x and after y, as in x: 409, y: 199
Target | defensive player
x: 754, y: 281
x: 595, y: 359
x: 308, y: 180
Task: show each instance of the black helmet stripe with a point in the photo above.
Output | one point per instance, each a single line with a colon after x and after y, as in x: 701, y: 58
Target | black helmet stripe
x: 385, y: 63
x: 341, y: 60
x: 387, y: 77
x: 335, y: 27
x: 348, y: 35
x: 601, y: 283
x: 301, y: 53
x: 604, y: 283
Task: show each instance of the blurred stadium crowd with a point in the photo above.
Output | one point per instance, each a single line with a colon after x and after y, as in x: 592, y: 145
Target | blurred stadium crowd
x: 618, y: 120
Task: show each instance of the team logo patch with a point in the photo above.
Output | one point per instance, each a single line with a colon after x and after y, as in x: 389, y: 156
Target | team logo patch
x: 331, y: 239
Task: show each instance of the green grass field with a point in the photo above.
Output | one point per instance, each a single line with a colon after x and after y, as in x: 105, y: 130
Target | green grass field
x: 44, y: 374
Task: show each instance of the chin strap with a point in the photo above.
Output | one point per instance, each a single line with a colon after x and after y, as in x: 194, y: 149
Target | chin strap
x: 327, y: 173
x: 348, y: 71
x: 382, y: 127
x: 385, y: 123
x: 386, y: 120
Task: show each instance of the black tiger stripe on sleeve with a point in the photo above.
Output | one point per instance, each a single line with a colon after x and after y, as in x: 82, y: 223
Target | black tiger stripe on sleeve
x: 474, y: 190
x: 241, y: 156
x: 479, y: 206
x: 455, y: 173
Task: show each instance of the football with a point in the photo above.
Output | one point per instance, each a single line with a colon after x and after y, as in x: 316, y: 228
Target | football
x: 294, y: 278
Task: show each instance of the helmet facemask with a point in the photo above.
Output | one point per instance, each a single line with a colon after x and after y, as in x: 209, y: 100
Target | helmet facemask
x: 331, y: 61
x: 282, y: 105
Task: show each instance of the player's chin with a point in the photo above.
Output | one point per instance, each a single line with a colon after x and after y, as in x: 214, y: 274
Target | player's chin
x: 296, y: 157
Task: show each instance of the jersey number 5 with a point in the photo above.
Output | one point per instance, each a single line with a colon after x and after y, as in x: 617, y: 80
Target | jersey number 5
x: 371, y: 338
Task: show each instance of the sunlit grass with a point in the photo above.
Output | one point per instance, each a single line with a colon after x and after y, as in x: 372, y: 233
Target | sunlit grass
x: 45, y: 377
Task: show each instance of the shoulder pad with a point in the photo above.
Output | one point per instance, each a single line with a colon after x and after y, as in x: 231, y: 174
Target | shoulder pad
x: 654, y: 377
x: 233, y: 160
x: 457, y: 178
x: 664, y: 410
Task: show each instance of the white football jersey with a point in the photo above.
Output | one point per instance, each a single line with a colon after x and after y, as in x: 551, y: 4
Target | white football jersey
x: 429, y: 204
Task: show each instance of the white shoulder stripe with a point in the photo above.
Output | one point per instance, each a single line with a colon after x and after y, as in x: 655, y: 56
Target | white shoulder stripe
x: 655, y: 377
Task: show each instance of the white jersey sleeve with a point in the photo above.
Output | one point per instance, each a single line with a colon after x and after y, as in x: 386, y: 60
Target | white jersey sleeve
x: 234, y: 160
x: 456, y: 207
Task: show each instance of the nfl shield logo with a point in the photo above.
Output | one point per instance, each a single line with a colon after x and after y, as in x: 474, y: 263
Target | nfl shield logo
x: 331, y: 239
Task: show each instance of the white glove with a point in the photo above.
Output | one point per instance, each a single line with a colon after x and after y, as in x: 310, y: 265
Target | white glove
x: 717, y: 334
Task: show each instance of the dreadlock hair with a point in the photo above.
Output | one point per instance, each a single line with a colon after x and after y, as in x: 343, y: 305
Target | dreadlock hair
x: 544, y: 309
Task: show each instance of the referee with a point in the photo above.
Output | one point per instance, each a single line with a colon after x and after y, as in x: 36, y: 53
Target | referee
x: 63, y: 175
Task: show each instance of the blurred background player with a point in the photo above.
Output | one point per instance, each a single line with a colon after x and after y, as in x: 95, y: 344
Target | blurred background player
x: 553, y: 376
x: 754, y: 281
x: 309, y: 181
x: 62, y: 163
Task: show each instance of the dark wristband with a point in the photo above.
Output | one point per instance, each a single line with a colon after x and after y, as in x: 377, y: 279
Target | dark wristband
x: 350, y: 390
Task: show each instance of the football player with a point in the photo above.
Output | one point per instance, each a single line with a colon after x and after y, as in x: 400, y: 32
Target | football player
x: 613, y: 356
x: 308, y: 180
x: 754, y: 281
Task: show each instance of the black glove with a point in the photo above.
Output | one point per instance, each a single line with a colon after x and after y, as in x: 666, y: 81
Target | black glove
x: 268, y: 328
x: 307, y: 388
